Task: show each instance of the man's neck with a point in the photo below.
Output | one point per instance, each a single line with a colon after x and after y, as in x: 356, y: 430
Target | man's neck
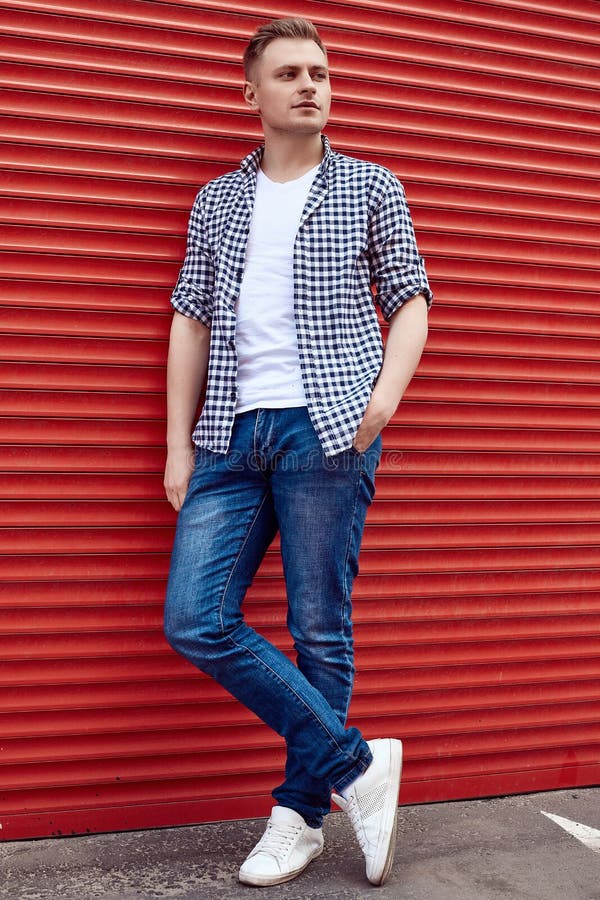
x: 290, y: 156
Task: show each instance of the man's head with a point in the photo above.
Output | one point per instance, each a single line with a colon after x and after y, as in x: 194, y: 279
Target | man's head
x: 287, y: 77
x: 295, y: 29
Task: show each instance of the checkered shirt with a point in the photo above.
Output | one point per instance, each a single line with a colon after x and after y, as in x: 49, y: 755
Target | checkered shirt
x: 355, y: 231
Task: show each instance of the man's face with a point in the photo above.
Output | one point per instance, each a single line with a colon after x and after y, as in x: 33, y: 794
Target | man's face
x: 290, y: 87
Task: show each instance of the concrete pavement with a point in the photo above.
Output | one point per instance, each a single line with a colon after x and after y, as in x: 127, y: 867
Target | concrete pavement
x: 472, y: 850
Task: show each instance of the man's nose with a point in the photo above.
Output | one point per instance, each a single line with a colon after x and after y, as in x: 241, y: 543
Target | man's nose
x: 306, y: 83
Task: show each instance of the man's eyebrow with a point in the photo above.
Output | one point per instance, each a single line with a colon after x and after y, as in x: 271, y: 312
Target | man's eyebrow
x: 296, y: 66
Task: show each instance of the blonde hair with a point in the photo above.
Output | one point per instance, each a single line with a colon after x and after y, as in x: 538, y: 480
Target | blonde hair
x: 279, y: 28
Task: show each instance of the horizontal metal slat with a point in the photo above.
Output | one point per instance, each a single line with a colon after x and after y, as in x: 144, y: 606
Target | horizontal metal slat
x: 102, y: 164
x: 122, y: 485
x: 473, y: 511
x: 97, y: 404
x: 74, y: 534
x: 429, y: 195
x: 521, y: 321
x: 378, y: 74
x: 514, y: 227
x: 146, y: 717
x: 464, y: 752
x: 136, y: 196
x: 151, y: 407
x: 538, y: 636
x: 52, y: 376
x: 171, y: 97
x: 440, y: 385
x: 94, y: 216
x: 126, y: 746
x: 583, y: 9
x: 115, y: 298
x: 120, y: 689
x: 122, y: 403
x: 91, y: 243
x: 493, y: 55
x: 90, y: 113
x: 113, y: 323
x: 86, y: 268
x: 48, y: 458
x: 433, y: 560
x: 368, y: 22
x: 97, y: 432
x: 486, y: 618
x: 153, y: 196
x: 488, y: 367
x: 74, y: 349
x: 492, y: 391
x: 110, y: 512
x: 490, y: 343
x: 124, y: 218
x: 111, y: 270
x: 520, y: 17
x: 418, y: 665
x: 129, y: 432
x: 560, y: 260
x: 159, y: 142
x: 407, y: 160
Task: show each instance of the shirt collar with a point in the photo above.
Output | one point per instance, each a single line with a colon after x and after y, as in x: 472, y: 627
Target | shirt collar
x: 251, y: 162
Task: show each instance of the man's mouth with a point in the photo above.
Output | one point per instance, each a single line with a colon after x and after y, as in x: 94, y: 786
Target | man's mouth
x: 309, y: 104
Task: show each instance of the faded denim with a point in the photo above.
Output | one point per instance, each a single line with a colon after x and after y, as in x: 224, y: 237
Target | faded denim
x: 276, y: 477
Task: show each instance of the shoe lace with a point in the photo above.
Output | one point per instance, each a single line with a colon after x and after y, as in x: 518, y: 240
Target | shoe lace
x: 278, y: 839
x: 353, y: 812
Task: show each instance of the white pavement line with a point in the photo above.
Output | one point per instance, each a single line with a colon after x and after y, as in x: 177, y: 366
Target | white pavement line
x: 588, y: 836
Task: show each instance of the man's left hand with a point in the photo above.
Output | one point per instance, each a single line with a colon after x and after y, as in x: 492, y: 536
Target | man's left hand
x: 378, y: 413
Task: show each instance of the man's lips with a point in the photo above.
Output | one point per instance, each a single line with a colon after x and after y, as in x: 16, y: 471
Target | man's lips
x: 306, y: 104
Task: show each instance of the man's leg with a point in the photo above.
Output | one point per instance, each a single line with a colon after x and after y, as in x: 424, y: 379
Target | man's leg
x: 224, y: 528
x: 321, y: 505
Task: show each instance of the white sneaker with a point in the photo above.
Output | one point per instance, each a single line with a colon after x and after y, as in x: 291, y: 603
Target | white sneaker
x: 285, y: 849
x: 371, y: 803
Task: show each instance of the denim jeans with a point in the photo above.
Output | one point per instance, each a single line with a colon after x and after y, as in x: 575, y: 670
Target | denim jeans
x: 275, y: 477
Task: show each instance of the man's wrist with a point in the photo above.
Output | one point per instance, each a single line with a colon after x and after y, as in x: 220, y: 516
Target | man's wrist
x: 386, y: 397
x: 179, y: 445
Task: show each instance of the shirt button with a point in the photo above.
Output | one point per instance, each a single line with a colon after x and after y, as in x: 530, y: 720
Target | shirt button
x: 231, y: 344
x: 233, y: 395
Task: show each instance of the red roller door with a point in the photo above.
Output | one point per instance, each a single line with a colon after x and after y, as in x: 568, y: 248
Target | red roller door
x: 477, y: 608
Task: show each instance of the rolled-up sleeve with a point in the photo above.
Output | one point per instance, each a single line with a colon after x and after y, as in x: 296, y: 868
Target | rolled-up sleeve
x: 193, y: 293
x: 397, y: 270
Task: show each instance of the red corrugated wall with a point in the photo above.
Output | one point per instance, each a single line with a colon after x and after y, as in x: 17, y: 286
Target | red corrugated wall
x: 477, y: 608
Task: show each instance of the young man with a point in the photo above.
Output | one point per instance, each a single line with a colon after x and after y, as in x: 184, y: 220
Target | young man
x: 274, y: 307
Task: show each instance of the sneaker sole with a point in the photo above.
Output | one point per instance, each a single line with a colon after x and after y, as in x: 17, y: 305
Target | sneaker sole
x: 269, y: 880
x: 387, y: 842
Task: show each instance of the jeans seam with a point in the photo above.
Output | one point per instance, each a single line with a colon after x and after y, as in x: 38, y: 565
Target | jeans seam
x: 293, y: 693
x: 248, y: 649
x: 349, y: 659
x: 236, y: 560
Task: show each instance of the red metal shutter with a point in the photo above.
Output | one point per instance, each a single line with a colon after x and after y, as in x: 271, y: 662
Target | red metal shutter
x: 477, y: 614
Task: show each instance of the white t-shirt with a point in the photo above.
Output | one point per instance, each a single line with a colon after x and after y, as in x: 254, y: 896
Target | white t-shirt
x: 267, y: 348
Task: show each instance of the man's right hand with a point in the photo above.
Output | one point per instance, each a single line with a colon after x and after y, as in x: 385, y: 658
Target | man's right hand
x: 178, y: 471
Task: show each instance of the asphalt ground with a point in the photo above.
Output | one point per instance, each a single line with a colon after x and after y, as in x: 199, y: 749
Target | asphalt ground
x: 472, y: 850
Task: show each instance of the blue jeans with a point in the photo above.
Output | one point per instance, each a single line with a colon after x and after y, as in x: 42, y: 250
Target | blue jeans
x: 275, y: 477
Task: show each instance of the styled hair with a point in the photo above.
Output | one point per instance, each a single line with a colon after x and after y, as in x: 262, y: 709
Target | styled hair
x: 278, y: 28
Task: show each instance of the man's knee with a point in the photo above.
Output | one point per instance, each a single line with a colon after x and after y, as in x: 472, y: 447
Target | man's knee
x: 198, y: 641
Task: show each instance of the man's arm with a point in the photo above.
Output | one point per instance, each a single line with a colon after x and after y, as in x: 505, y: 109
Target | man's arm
x: 186, y: 371
x: 404, y: 346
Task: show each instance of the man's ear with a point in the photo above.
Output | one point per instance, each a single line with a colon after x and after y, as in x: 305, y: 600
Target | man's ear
x: 249, y: 92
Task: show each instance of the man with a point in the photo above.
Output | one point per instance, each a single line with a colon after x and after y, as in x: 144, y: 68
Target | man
x: 274, y: 308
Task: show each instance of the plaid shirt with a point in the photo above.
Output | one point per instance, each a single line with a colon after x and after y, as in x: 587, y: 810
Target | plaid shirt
x: 355, y: 231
